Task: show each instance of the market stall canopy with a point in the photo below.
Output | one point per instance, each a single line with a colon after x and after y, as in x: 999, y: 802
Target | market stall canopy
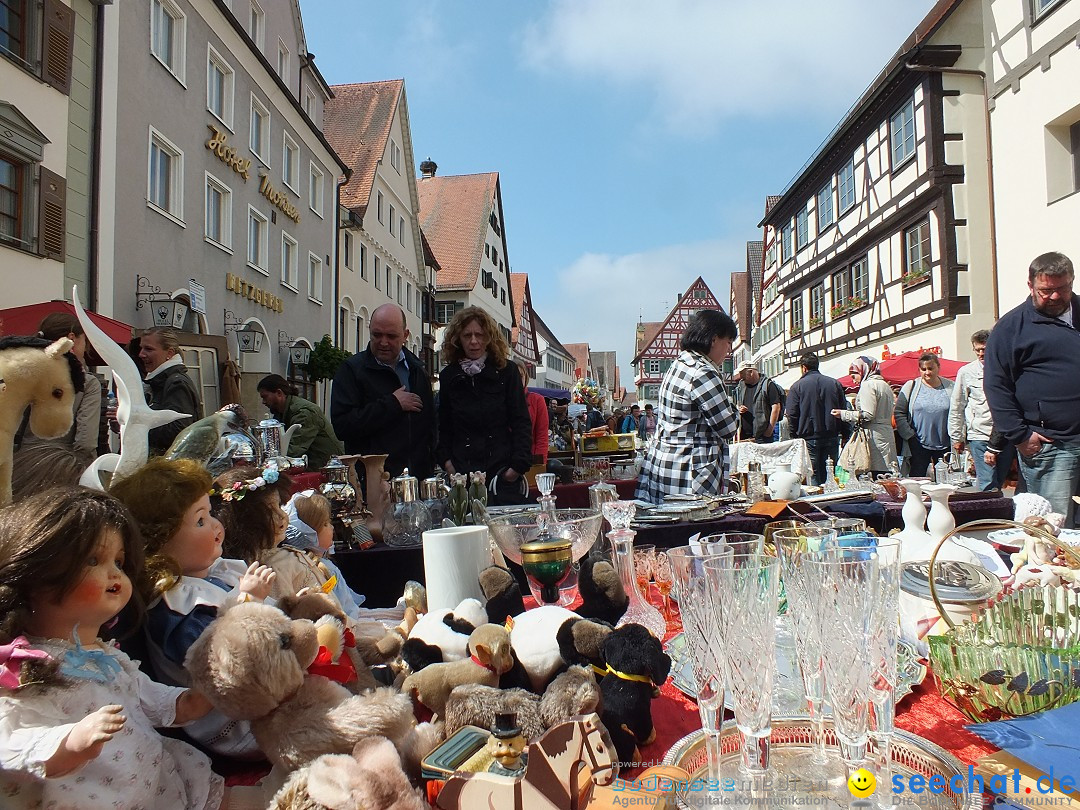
x: 24, y: 321
x: 900, y: 368
x: 551, y: 393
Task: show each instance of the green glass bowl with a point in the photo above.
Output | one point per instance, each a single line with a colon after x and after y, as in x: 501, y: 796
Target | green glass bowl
x: 1022, y: 656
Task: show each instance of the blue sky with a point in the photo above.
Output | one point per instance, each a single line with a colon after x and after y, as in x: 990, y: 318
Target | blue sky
x: 635, y: 140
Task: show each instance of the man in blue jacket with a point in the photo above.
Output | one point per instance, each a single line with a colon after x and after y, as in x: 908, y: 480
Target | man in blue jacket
x: 1032, y: 382
x: 810, y: 403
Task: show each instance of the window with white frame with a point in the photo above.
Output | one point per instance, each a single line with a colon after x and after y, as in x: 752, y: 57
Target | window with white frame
x: 259, y: 138
x: 218, y: 215
x: 220, y: 81
x: 825, y: 215
x: 652, y: 367
x: 395, y: 156
x: 769, y: 294
x: 796, y: 314
x: 379, y: 207
x: 167, y: 35
x: 258, y: 241
x: 845, y: 184
x: 315, y: 188
x: 902, y: 133
x: 378, y: 275
x: 802, y: 227
x: 860, y: 281
x: 289, y: 271
x: 309, y: 104
x: 1040, y: 7
x: 817, y: 304
x: 346, y: 249
x: 841, y: 288
x: 290, y: 162
x: 917, y: 250
x: 256, y: 23
x: 401, y: 230
x: 315, y: 279
x: 283, y: 59
x: 359, y: 335
x: 165, y: 176
x: 787, y: 251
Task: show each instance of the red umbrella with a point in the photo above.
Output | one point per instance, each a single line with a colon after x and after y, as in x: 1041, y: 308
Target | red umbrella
x: 900, y: 368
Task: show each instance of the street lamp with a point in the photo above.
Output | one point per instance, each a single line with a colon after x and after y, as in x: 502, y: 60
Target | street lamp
x: 249, y: 340
x: 168, y: 312
x: 298, y: 354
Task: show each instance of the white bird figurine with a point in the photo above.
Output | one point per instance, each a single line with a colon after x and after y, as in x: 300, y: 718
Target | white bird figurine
x: 135, y: 416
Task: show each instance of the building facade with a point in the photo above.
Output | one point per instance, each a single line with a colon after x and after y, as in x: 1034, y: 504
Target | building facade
x: 215, y: 171
x: 462, y: 219
x: 556, y: 366
x: 884, y: 239
x: 1034, y: 103
x: 380, y: 248
x: 524, y: 349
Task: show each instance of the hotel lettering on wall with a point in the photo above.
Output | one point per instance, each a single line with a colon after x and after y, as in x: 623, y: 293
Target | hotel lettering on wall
x: 278, y: 198
x: 253, y: 293
x: 218, y: 144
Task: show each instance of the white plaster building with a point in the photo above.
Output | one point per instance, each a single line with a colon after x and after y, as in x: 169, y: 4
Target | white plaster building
x: 556, y: 367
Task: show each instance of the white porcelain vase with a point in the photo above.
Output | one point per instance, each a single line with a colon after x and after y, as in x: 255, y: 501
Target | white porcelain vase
x: 914, y: 511
x: 784, y: 485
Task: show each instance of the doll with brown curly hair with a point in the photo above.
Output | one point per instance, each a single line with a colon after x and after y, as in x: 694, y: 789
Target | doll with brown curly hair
x: 187, y: 582
x: 77, y: 716
x: 250, y: 503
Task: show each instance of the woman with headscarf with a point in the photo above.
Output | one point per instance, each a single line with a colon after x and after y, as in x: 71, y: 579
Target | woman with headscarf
x: 874, y: 405
x: 696, y: 419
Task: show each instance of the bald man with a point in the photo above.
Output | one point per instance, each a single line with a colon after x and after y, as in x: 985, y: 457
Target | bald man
x: 382, y: 400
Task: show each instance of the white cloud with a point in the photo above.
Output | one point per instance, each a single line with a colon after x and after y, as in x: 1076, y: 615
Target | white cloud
x: 704, y: 60
x: 599, y: 298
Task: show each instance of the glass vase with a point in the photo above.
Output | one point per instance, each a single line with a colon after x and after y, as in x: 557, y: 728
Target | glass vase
x: 619, y: 514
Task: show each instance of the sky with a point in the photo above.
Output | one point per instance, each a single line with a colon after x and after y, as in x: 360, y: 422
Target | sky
x: 635, y: 140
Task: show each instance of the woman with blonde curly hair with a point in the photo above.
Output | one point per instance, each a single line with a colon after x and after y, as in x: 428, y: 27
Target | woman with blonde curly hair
x: 484, y: 421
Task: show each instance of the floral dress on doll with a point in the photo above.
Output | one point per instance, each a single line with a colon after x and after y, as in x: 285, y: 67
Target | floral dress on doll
x: 137, y: 768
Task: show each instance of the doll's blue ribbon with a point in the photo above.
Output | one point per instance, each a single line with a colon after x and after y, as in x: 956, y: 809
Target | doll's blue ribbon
x: 90, y: 665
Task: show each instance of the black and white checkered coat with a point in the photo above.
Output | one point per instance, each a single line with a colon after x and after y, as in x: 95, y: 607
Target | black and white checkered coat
x: 696, y: 420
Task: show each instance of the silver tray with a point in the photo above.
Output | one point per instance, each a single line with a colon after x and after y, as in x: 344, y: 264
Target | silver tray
x: 791, y: 741
x: 788, y: 699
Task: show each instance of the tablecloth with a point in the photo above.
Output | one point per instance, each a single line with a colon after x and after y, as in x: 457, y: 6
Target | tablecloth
x: 793, y: 453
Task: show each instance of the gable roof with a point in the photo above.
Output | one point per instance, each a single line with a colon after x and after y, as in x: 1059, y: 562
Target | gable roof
x: 357, y: 122
x: 667, y: 337
x: 646, y: 335
x: 544, y: 331
x: 454, y: 214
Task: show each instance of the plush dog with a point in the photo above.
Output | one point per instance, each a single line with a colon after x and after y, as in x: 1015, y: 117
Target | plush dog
x: 372, y: 778
x: 252, y: 663
x: 571, y: 693
x: 636, y: 668
x: 602, y: 594
x: 502, y: 594
x: 581, y: 641
x: 489, y: 657
x: 442, y: 635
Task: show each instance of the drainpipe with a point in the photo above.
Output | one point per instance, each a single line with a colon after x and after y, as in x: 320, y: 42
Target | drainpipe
x: 337, y: 260
x: 95, y: 162
x: 989, y: 164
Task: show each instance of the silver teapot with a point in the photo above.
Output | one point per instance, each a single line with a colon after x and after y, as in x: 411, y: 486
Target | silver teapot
x: 273, y: 436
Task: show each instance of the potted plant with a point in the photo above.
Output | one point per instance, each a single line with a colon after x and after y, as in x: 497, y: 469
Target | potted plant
x: 815, y: 321
x: 913, y: 277
x: 795, y: 331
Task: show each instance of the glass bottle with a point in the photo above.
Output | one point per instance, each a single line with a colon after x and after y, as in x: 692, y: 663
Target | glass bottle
x: 408, y: 518
x: 829, y: 485
x: 639, y: 611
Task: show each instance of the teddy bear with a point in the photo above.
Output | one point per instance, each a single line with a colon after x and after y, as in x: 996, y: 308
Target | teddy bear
x: 371, y: 778
x: 572, y: 693
x: 252, y: 663
x: 489, y: 657
x: 636, y: 668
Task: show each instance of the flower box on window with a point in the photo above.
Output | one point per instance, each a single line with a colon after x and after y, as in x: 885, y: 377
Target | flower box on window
x: 795, y: 331
x: 914, y: 277
x: 815, y: 322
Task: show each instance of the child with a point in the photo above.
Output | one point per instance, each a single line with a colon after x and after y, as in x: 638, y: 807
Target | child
x: 77, y: 716
x: 187, y: 582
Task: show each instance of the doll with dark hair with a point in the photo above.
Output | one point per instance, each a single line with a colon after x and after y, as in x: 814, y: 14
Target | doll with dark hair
x: 77, y: 716
x: 187, y: 582
x: 250, y: 505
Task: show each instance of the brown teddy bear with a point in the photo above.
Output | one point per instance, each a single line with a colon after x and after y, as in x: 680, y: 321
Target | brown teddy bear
x: 252, y: 663
x: 489, y: 657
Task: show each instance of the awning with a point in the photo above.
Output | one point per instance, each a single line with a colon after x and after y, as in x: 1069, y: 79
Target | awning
x: 25, y: 320
x: 551, y: 393
x: 900, y: 368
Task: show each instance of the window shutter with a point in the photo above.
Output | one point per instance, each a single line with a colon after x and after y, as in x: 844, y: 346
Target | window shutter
x: 57, y: 44
x: 52, y: 214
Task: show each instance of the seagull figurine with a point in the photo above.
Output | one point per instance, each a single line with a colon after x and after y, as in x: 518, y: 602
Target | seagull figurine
x: 135, y: 416
x: 200, y: 441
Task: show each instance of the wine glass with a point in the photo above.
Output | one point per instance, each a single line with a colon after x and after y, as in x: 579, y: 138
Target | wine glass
x: 663, y: 576
x: 644, y: 556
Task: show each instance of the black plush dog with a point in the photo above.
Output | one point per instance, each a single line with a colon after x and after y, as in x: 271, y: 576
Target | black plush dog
x: 602, y: 594
x: 636, y: 668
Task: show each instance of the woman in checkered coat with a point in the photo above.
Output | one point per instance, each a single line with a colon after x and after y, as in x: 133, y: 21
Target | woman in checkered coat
x: 696, y: 418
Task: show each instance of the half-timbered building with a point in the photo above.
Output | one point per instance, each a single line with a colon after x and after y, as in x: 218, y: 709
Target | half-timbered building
x: 657, y: 345
x: 884, y: 237
x: 524, y: 346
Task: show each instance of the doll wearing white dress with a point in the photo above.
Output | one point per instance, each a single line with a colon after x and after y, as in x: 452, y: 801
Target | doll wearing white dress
x: 77, y: 716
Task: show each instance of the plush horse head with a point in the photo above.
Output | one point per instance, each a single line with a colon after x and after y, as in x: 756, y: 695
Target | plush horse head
x: 43, y: 376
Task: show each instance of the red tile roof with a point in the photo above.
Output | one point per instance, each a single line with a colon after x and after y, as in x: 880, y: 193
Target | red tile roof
x: 652, y: 328
x: 357, y: 123
x: 454, y: 213
x: 580, y: 353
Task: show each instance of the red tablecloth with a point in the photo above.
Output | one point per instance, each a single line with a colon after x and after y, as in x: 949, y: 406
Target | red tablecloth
x: 305, y: 480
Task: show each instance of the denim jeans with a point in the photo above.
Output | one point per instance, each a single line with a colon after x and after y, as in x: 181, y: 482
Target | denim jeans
x: 821, y: 449
x: 1054, y: 473
x: 990, y: 476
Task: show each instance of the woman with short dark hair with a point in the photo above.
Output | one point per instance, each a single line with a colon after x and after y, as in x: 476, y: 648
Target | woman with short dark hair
x: 696, y: 418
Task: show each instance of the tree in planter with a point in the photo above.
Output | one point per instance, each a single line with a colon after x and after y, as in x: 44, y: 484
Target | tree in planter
x: 324, y: 362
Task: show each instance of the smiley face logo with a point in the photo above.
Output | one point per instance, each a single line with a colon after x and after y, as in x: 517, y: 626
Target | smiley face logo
x: 861, y: 783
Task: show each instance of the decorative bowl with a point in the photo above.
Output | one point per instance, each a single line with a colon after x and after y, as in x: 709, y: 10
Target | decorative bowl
x: 1022, y: 656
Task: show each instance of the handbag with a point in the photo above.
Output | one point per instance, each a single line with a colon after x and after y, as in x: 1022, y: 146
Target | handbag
x: 855, y: 457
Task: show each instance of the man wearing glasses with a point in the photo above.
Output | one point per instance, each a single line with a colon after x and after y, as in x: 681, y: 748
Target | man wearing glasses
x: 1032, y: 382
x: 970, y: 422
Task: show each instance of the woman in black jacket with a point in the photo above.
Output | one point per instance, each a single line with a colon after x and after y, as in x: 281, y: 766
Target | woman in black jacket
x: 483, y: 417
x: 170, y: 386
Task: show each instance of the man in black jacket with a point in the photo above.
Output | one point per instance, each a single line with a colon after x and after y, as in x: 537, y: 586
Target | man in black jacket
x: 170, y: 386
x: 1031, y: 376
x: 382, y: 400
x: 810, y: 402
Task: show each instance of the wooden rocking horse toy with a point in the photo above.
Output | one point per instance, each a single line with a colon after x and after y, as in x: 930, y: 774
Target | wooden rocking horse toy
x: 43, y: 376
x: 563, y: 766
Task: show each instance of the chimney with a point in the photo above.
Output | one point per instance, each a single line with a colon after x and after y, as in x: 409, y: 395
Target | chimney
x: 428, y: 168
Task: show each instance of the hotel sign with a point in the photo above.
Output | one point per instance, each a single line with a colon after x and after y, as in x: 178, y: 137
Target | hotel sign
x: 252, y: 293
x: 218, y: 144
x: 278, y: 198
